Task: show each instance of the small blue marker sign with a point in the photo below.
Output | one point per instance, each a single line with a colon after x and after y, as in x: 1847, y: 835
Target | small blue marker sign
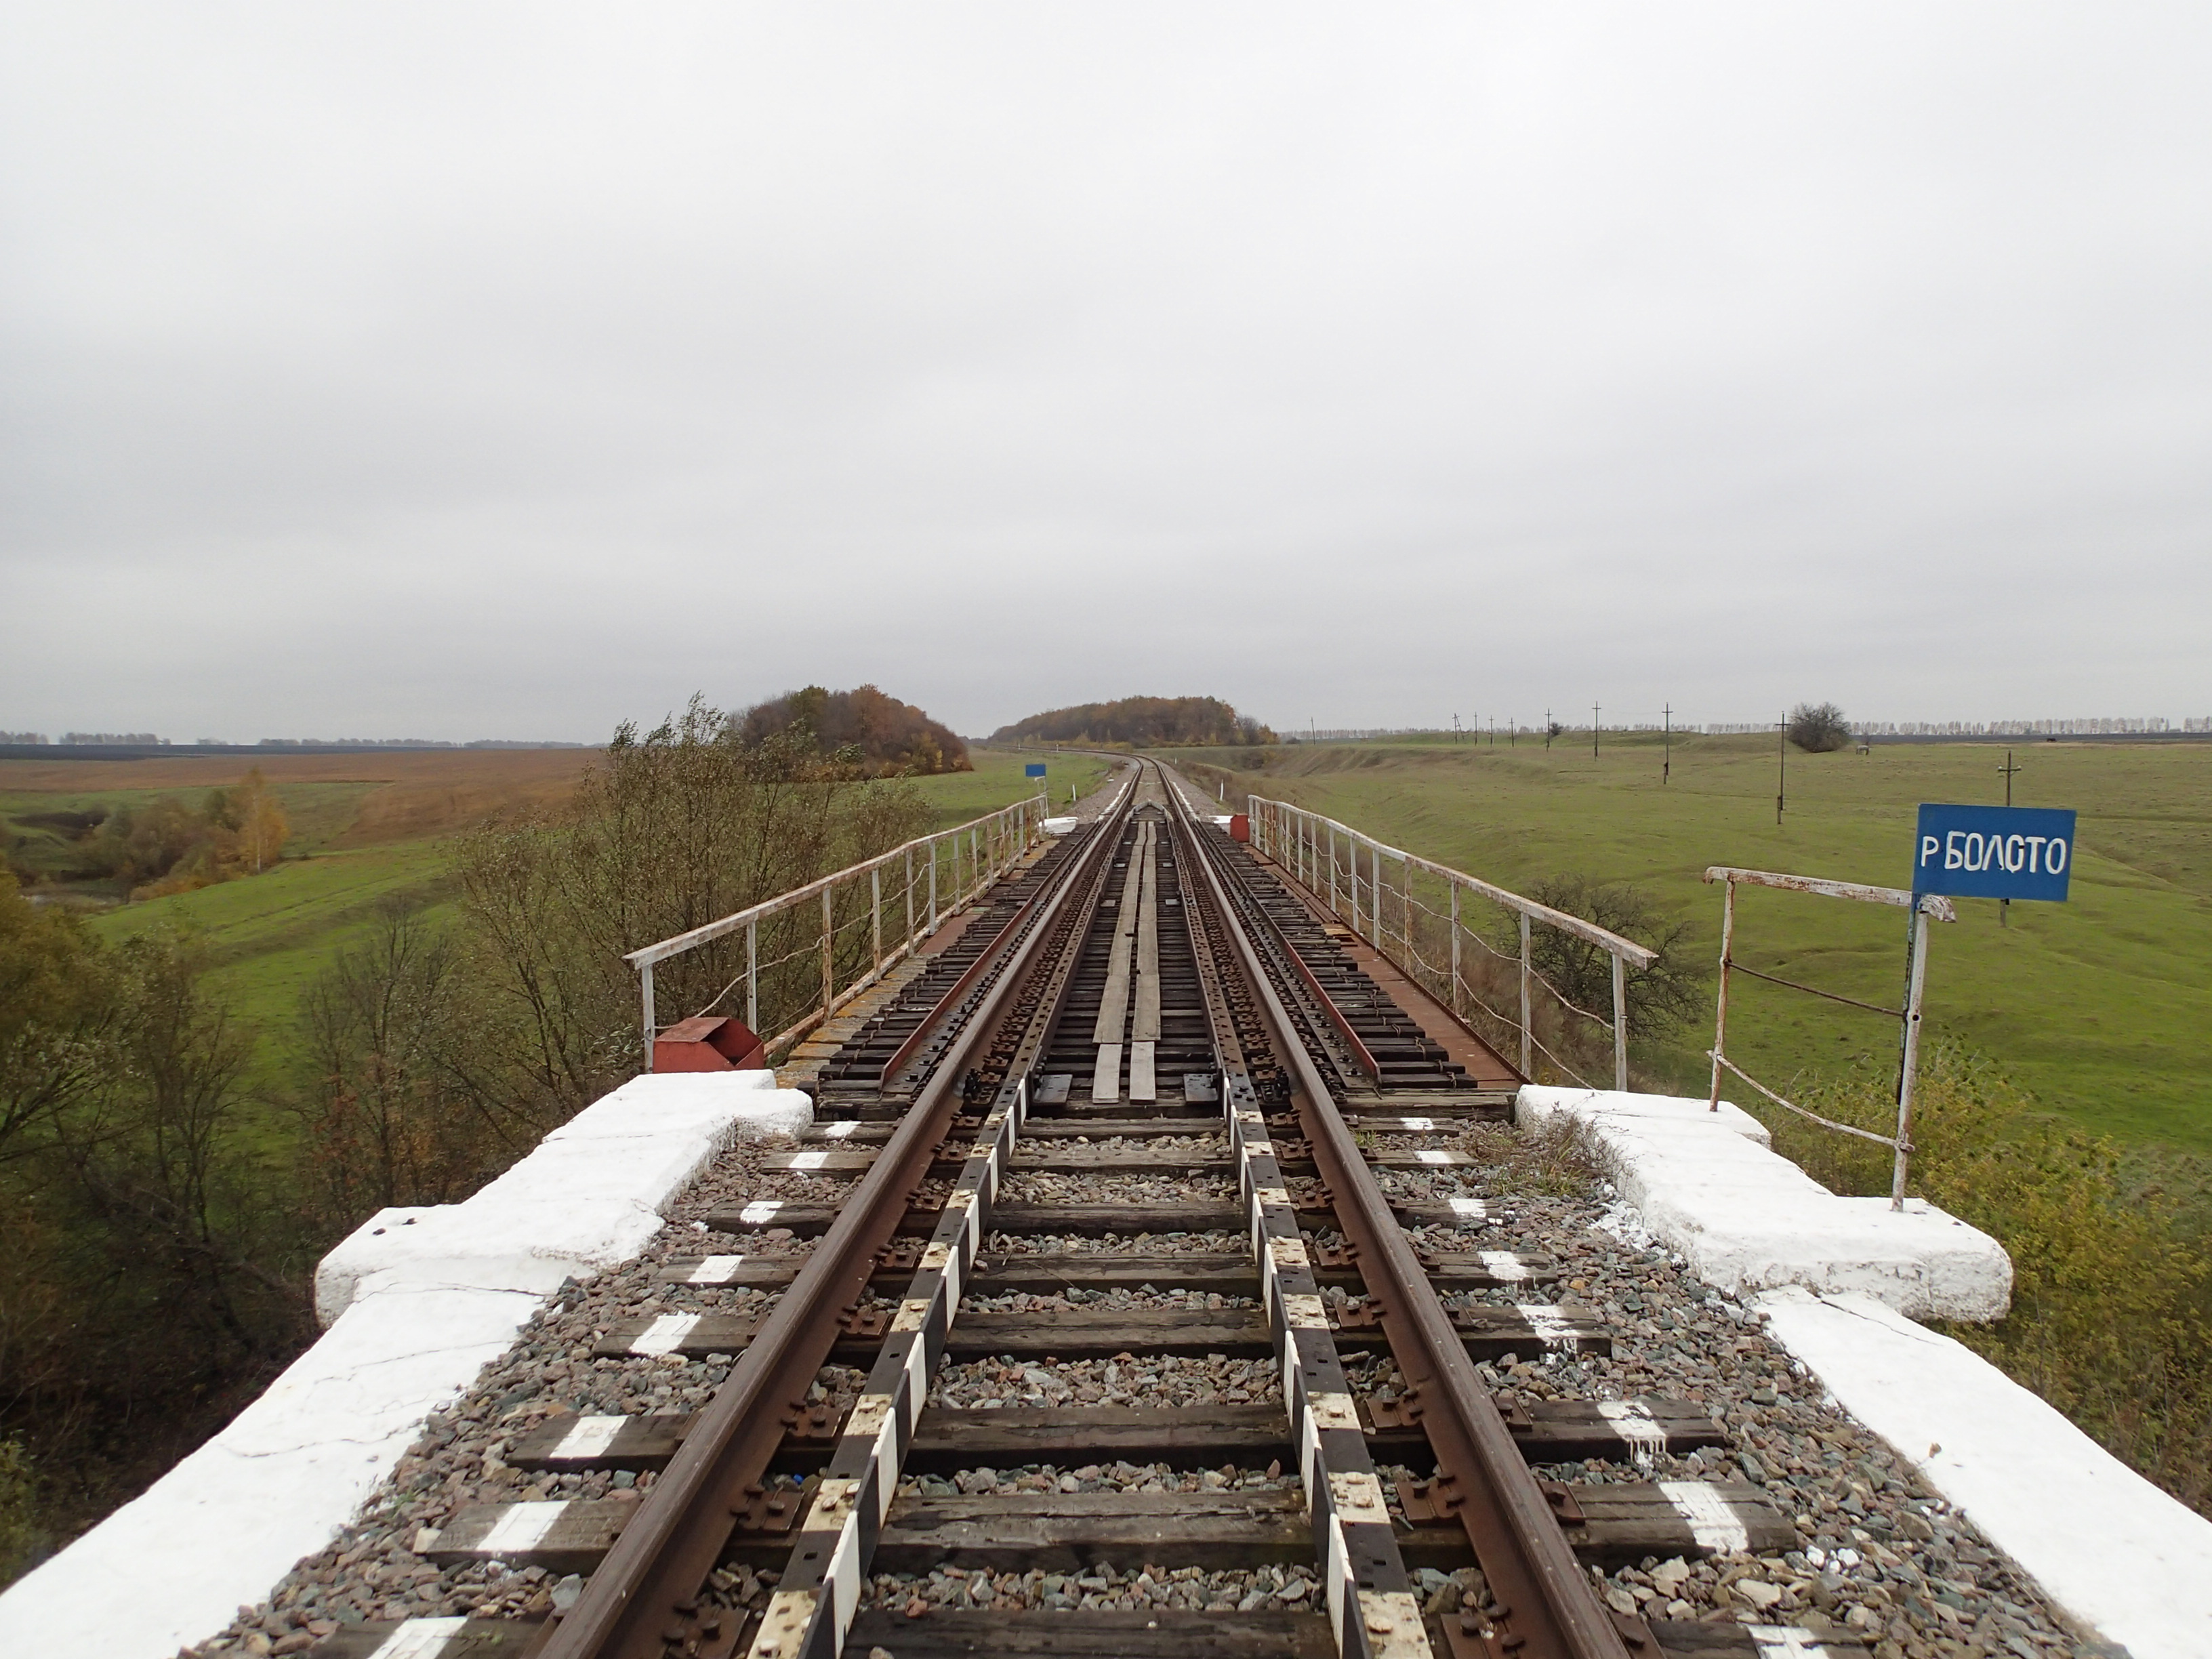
x: 1033, y: 769
x: 1994, y: 852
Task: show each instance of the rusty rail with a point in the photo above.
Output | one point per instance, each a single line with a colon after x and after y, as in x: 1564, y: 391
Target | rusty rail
x: 1545, y: 1607
x: 648, y: 1586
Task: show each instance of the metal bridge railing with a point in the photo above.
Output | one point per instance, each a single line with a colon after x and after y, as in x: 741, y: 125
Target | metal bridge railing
x: 1324, y: 855
x: 840, y: 919
x: 1922, y: 907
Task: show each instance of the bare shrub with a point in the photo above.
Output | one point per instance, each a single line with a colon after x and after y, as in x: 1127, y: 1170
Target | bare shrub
x: 1660, y: 996
x: 1818, y: 728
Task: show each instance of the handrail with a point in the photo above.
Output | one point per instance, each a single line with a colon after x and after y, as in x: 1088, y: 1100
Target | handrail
x: 1602, y: 938
x: 1275, y: 823
x: 1923, y: 908
x: 994, y: 842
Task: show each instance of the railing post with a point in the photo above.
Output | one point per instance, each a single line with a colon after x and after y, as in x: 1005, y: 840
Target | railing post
x: 1352, y: 880
x: 1332, y: 871
x: 828, y: 959
x: 1458, y: 1012
x: 1406, y: 894
x: 1528, y: 1032
x: 1619, y: 1023
x: 1910, y: 1065
x: 975, y: 860
x: 1720, y: 1002
x: 876, y: 917
x: 1374, y: 897
x: 752, y: 977
x: 933, y: 886
x: 645, y: 993
x: 909, y: 896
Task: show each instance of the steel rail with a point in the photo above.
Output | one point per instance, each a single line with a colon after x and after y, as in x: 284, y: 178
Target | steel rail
x: 1544, y: 1607
x: 640, y: 1601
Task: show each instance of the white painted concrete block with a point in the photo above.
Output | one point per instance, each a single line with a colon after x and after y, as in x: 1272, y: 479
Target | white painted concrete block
x: 1706, y: 1184
x: 1061, y: 826
x: 418, y: 1301
x: 1539, y: 1106
x: 589, y: 1196
x: 2109, y: 1547
x: 229, y: 1520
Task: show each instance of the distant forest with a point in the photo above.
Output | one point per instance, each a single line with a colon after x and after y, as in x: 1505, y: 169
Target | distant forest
x: 880, y: 734
x: 1141, y: 722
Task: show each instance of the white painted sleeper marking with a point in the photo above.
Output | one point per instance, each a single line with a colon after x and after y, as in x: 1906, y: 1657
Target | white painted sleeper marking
x: 1715, y: 1525
x: 588, y: 1436
x: 760, y: 1212
x: 1632, y: 1420
x: 714, y: 1269
x: 1504, y: 1266
x: 666, y: 1335
x: 1472, y: 1208
x: 1550, y: 1325
x: 522, y: 1526
x: 419, y: 1638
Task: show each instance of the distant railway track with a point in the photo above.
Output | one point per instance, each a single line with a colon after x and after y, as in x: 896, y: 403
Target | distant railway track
x: 1144, y: 1130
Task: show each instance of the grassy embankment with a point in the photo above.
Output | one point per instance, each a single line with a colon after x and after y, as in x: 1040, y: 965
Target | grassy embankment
x: 365, y: 827
x: 2101, y: 1007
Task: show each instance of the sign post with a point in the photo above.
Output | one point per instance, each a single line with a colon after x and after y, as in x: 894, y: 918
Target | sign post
x: 2003, y: 853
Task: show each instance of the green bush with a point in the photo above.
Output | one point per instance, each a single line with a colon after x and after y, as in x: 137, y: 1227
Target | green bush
x: 2111, y: 1312
x: 21, y: 1536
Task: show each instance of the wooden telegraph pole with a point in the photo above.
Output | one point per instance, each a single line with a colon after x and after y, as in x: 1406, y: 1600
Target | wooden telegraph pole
x: 1593, y: 730
x: 1667, y: 743
x: 2004, y: 905
x: 1781, y: 767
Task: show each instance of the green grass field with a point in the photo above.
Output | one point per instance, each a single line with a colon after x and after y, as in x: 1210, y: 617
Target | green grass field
x: 272, y: 934
x: 2101, y: 1007
x: 997, y: 781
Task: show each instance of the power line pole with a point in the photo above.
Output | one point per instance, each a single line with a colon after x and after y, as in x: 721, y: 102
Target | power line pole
x: 1547, y: 728
x: 1593, y: 730
x: 2004, y: 906
x: 1494, y: 731
x: 1781, y: 766
x: 1454, y: 728
x: 1667, y: 745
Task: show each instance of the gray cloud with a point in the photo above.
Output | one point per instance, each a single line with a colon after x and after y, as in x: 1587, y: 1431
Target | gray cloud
x: 461, y: 371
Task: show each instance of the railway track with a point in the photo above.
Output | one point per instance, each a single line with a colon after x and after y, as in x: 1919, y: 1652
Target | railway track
x: 1110, y: 1256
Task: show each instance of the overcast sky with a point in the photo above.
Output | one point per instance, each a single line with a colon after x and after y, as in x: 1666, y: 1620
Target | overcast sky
x: 463, y: 370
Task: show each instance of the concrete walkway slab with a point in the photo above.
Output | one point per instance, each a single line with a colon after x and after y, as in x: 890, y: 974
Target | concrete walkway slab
x: 418, y: 1301
x: 1707, y: 1184
x: 2106, y: 1546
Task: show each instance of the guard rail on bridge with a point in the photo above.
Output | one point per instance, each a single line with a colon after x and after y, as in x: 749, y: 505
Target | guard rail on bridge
x: 839, y: 919
x: 1324, y: 855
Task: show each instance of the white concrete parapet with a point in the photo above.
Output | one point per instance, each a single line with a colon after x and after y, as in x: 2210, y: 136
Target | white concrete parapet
x: 2108, y: 1546
x: 418, y: 1301
x: 1709, y: 1186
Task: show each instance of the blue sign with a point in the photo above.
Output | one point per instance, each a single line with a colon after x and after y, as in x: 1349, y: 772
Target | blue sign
x: 1994, y: 852
x: 1033, y: 769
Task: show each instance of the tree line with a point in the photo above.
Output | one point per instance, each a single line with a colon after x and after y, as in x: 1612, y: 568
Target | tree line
x: 165, y: 846
x: 167, y: 1189
x: 1142, y: 723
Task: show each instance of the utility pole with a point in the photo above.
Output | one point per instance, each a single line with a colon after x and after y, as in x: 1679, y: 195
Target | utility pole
x: 1666, y: 743
x: 1781, y: 767
x: 2004, y: 905
x: 1547, y: 728
x: 1494, y: 731
x: 1593, y: 730
x: 1454, y: 728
